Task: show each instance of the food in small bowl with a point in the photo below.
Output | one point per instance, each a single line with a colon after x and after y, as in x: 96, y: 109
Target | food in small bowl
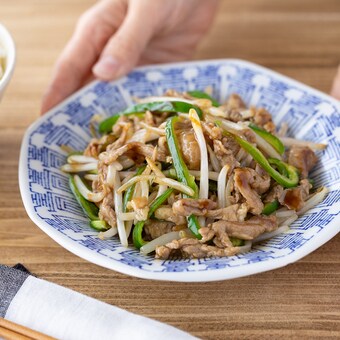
x: 2, y: 61
x: 7, y: 58
x: 187, y: 177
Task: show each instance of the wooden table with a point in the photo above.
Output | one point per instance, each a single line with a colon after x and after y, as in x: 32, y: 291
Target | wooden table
x: 298, y: 38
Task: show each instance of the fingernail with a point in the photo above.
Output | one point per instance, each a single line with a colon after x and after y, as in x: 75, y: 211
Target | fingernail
x: 106, y: 68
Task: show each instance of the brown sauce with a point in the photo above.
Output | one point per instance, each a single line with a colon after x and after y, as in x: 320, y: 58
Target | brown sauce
x: 293, y: 199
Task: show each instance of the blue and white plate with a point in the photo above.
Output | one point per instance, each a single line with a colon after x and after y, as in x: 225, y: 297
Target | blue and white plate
x: 311, y: 115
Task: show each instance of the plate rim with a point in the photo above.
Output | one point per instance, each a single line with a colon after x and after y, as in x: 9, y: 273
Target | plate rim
x: 186, y: 276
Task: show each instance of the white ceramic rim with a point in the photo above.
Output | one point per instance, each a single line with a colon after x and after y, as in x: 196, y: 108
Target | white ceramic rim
x: 200, y: 276
x: 7, y: 42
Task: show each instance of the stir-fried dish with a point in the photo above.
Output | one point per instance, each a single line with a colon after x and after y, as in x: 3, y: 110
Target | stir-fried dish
x: 184, y: 176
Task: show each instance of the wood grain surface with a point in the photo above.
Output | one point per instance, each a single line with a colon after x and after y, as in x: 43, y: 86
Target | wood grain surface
x: 298, y: 38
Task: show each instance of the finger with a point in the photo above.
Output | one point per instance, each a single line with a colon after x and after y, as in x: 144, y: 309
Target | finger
x: 68, y: 73
x: 123, y: 50
x: 88, y: 79
x: 78, y: 57
x: 66, y: 78
x: 335, y: 92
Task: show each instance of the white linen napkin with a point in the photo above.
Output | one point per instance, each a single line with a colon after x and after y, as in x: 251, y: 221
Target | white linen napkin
x: 65, y: 314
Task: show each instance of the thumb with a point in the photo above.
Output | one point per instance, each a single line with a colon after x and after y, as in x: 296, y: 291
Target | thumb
x: 336, y: 85
x: 125, y: 47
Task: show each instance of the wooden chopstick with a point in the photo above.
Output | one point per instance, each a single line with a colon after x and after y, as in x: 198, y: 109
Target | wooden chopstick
x: 12, y: 331
x: 10, y: 335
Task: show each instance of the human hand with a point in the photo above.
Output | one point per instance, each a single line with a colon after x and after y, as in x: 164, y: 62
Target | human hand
x: 336, y: 85
x: 114, y: 36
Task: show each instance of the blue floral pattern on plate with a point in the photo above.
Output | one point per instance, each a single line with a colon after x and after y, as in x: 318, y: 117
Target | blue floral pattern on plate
x: 310, y: 114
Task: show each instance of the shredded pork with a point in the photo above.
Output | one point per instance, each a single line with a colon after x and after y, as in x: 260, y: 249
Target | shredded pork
x: 154, y: 229
x: 251, y: 184
x: 106, y: 211
x: 295, y: 198
x: 246, y: 230
x: 263, y: 119
x: 303, y: 158
x: 192, y: 248
x: 192, y: 206
x: 189, y: 206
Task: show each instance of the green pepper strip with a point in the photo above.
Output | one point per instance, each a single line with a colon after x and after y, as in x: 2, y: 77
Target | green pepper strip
x: 182, y: 171
x: 129, y: 192
x: 289, y: 181
x: 89, y: 208
x: 236, y: 242
x: 271, y: 139
x: 99, y: 225
x: 201, y: 94
x: 106, y: 125
x: 175, y: 106
x: 270, y: 207
x: 280, y: 166
x: 138, y: 229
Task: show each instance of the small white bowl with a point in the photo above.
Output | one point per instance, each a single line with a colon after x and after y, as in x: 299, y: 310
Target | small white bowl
x: 7, y: 43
